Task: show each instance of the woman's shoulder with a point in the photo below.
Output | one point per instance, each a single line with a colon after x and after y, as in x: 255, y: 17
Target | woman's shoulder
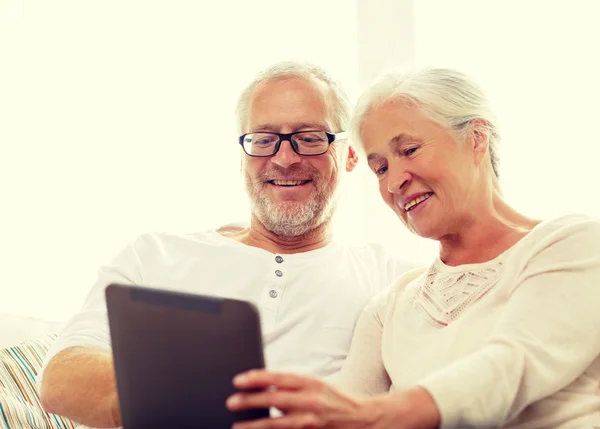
x: 565, y: 230
x: 570, y: 223
x: 380, y: 302
x: 565, y: 240
x: 408, y: 277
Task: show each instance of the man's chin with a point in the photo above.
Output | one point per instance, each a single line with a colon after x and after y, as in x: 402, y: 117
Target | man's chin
x: 289, y: 214
x: 289, y: 205
x: 289, y: 227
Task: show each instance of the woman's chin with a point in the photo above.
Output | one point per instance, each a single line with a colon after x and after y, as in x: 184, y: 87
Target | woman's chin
x: 423, y: 233
x: 423, y: 228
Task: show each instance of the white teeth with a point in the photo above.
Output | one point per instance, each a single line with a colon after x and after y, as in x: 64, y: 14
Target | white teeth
x: 416, y: 201
x: 288, y: 182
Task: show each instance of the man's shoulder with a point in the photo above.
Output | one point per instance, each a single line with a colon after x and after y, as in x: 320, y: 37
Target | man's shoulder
x: 369, y: 249
x: 161, y: 240
x: 380, y: 263
x: 232, y: 229
x: 381, y: 255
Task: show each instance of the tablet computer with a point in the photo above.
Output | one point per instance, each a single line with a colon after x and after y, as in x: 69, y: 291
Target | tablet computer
x: 175, y: 355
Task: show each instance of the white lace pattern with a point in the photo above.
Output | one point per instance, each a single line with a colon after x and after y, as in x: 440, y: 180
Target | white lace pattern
x: 443, y: 296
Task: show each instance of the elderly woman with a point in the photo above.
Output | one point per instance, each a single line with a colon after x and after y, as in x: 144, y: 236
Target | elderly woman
x: 501, y: 330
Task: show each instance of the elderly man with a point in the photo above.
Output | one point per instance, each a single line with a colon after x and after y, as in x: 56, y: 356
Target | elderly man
x: 308, y: 287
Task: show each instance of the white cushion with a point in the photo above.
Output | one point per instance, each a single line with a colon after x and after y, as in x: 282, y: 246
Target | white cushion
x: 16, y: 329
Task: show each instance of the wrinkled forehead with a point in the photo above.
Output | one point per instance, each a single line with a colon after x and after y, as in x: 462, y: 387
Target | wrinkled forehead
x: 292, y: 101
x: 381, y: 122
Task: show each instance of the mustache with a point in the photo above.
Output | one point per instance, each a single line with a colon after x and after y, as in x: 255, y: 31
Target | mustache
x: 276, y: 172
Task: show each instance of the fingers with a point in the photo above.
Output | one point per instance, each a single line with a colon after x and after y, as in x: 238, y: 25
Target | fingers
x: 299, y: 421
x: 307, y: 402
x: 284, y: 400
x: 261, y: 379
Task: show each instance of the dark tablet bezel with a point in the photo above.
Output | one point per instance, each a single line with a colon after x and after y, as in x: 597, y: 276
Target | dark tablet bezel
x: 176, y: 353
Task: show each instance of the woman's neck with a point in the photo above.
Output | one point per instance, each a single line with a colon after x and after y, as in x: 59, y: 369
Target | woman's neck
x: 487, y: 233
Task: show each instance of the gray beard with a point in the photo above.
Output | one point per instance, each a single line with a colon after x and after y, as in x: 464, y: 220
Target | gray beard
x: 293, y: 218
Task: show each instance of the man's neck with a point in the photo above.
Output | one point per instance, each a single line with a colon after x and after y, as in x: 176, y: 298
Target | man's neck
x: 259, y: 236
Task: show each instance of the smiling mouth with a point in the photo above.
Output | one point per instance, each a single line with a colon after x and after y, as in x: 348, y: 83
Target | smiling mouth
x: 288, y: 183
x: 414, y: 203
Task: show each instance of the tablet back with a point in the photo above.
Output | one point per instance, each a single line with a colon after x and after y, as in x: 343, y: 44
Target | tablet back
x: 175, y: 355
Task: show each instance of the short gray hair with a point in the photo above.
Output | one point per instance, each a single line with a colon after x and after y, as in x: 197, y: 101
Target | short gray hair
x: 339, y: 108
x: 447, y: 96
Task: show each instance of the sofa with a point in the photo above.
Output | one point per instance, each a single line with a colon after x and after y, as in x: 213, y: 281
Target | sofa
x: 24, y: 342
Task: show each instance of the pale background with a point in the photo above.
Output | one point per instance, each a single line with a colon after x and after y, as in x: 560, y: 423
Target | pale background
x: 116, y: 117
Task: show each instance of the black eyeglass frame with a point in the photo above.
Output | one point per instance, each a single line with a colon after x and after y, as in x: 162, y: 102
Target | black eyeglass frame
x: 331, y: 137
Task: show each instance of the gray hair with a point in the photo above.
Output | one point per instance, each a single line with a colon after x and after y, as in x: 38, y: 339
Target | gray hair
x: 446, y: 96
x: 339, y: 107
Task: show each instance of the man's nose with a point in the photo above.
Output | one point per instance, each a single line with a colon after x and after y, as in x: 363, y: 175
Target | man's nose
x: 286, y: 156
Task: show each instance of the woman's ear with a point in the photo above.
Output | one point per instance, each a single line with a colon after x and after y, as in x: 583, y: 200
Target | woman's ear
x: 352, y: 159
x: 480, y: 139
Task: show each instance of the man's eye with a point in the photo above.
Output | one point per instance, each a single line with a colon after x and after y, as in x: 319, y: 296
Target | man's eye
x: 311, y: 139
x: 410, y: 151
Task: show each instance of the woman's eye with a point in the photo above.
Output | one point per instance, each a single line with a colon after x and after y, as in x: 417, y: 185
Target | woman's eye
x: 410, y: 151
x: 380, y: 171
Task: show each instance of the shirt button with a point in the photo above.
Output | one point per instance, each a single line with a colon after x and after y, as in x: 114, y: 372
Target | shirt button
x: 273, y: 293
x: 278, y: 259
x: 278, y: 273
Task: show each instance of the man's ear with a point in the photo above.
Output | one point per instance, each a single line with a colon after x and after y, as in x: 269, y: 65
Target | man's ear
x: 352, y: 159
x: 480, y: 132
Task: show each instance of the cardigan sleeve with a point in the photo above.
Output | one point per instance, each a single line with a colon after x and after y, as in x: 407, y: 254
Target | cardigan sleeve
x: 364, y: 373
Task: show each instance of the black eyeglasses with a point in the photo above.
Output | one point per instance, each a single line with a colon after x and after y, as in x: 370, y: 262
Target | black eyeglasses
x: 302, y: 142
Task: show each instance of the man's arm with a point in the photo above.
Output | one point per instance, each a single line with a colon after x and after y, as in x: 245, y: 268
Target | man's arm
x: 79, y: 383
x: 77, y: 380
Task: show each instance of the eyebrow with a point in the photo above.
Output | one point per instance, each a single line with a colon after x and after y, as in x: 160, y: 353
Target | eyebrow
x: 294, y: 126
x: 373, y: 157
x: 402, y: 139
x: 395, y: 144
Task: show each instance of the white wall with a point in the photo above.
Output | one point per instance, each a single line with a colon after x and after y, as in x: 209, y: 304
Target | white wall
x: 116, y: 117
